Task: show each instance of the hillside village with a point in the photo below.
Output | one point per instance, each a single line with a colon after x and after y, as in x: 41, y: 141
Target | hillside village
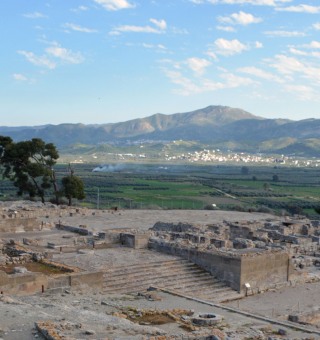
x: 215, y: 156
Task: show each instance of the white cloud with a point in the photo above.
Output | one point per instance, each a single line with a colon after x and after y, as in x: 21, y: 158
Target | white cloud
x: 226, y: 28
x: 287, y: 65
x: 316, y: 26
x: 159, y: 46
x: 292, y: 66
x: 78, y: 28
x: 257, y: 72
x: 243, y: 2
x: 302, y: 92
x: 198, y: 84
x: 285, y: 34
x: 198, y: 65
x: 114, y: 5
x: 233, y: 81
x: 80, y: 9
x: 159, y: 23
x: 304, y: 53
x: 240, y: 18
x: 212, y: 55
x: 42, y: 61
x: 177, y: 30
x: 19, y: 77
x: 297, y: 52
x: 258, y: 44
x: 314, y: 44
x: 160, y: 28
x: 229, y: 47
x: 64, y: 54
x: 135, y: 29
x: 186, y: 86
x: 300, y: 9
x: 34, y: 15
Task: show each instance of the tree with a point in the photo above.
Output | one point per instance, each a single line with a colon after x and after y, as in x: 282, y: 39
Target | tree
x: 244, y: 170
x: 295, y: 210
x: 72, y: 187
x: 29, y: 165
x: 275, y: 178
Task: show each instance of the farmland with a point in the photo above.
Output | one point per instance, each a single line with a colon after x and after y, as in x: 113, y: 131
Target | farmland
x: 188, y: 186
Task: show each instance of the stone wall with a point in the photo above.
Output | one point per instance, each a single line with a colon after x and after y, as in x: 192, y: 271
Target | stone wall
x: 136, y: 241
x: 78, y: 230
x: 265, y: 269
x: 31, y: 283
x: 226, y: 268
x: 23, y: 284
x: 91, y: 280
x: 261, y: 269
x: 18, y: 225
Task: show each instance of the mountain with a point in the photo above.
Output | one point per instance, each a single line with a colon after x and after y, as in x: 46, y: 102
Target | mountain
x: 213, y: 125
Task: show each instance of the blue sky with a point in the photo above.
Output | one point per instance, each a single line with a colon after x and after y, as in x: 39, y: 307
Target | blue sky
x: 101, y: 61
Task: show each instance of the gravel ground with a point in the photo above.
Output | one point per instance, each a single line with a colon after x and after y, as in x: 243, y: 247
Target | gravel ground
x: 145, y: 219
x: 280, y: 303
x: 90, y: 311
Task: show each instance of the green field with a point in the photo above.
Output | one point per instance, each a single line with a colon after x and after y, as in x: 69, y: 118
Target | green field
x: 184, y: 186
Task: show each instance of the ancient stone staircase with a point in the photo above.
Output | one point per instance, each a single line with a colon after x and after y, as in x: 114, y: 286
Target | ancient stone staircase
x: 174, y: 274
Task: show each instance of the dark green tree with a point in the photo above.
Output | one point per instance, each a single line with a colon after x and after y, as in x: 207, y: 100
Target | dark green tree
x: 295, y: 210
x: 29, y: 165
x: 244, y: 170
x: 72, y: 187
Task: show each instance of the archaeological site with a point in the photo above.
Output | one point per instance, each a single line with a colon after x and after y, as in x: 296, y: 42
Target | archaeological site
x: 78, y: 273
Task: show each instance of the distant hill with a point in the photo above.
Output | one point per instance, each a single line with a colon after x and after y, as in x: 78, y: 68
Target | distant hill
x: 214, y: 125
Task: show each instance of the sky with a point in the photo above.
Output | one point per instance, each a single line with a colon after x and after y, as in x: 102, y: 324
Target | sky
x: 107, y: 61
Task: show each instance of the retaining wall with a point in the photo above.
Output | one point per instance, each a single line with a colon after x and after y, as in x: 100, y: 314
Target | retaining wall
x: 266, y: 269
x: 31, y: 283
x: 226, y: 268
x: 262, y: 270
x: 11, y: 225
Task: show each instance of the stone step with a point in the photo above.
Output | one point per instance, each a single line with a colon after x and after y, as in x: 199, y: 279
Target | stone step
x: 125, y: 270
x: 206, y: 282
x: 163, y: 280
x: 208, y: 293
x: 163, y: 272
x: 179, y: 275
x: 151, y: 263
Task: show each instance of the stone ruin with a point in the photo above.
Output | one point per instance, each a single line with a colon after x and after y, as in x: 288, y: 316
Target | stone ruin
x: 226, y: 249
x: 269, y: 253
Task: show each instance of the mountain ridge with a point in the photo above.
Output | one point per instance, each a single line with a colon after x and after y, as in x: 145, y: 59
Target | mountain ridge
x: 213, y: 125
